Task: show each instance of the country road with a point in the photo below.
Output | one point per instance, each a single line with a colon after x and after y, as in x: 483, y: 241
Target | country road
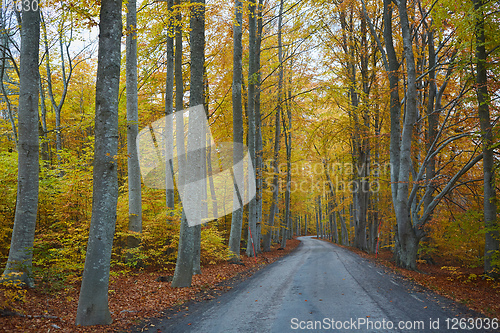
x: 322, y: 287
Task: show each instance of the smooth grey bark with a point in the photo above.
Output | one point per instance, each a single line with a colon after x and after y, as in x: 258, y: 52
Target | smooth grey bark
x: 169, y: 109
x: 407, y: 240
x: 320, y: 218
x: 252, y: 76
x: 19, y: 263
x: 93, y: 301
x: 237, y: 216
x: 258, y: 127
x: 375, y: 201
x: 491, y: 244
x: 318, y: 209
x: 395, y: 105
x: 183, y: 268
x: 287, y: 129
x: 188, y: 260
x: 179, y: 83
x: 362, y: 146
x: 134, y: 172
x: 196, y: 97
x: 277, y: 134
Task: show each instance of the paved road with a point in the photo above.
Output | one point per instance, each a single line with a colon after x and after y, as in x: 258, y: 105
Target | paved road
x: 322, y: 286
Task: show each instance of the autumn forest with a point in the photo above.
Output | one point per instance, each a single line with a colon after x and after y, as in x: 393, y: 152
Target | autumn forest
x: 372, y: 124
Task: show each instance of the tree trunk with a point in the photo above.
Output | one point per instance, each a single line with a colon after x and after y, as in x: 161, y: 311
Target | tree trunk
x: 491, y: 244
x: 188, y: 257
x: 343, y: 228
x: 183, y: 269
x: 333, y: 219
x: 197, y: 97
x: 318, y: 230
x: 169, y: 109
x: 406, y: 250
x: 134, y: 173
x: 93, y: 302
x: 277, y: 134
x: 237, y: 216
x: 287, y: 127
x: 252, y: 73
x: 406, y: 242
x: 320, y: 217
x: 305, y: 225
x: 179, y: 83
x: 23, y: 233
x: 258, y: 126
x: 395, y: 106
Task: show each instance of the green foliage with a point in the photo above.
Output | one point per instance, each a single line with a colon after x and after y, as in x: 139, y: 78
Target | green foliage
x: 160, y: 236
x: 213, y: 248
x: 461, y: 237
x: 495, y: 263
x: 8, y: 188
x: 11, y: 291
x: 63, y: 220
x: 59, y: 256
x: 65, y: 206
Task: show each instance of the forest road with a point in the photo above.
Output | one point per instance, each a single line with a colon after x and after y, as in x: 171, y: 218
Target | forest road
x: 322, y: 287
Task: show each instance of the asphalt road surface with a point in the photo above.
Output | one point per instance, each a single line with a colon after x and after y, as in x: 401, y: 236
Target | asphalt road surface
x: 322, y: 287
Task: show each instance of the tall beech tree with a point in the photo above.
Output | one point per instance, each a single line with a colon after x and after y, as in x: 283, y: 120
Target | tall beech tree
x: 258, y: 126
x: 134, y: 173
x: 411, y: 222
x: 273, y: 212
x: 197, y: 97
x: 237, y: 216
x: 253, y: 239
x: 414, y: 196
x: 491, y: 245
x: 19, y: 263
x: 169, y: 108
x: 93, y: 306
x: 188, y: 256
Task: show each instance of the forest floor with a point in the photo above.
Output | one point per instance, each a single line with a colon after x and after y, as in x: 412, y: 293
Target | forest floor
x: 448, y: 278
x: 136, y: 295
x: 133, y: 296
